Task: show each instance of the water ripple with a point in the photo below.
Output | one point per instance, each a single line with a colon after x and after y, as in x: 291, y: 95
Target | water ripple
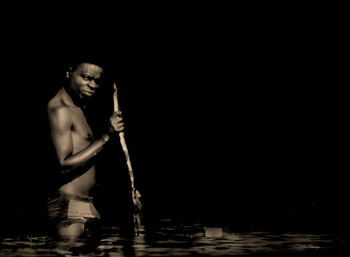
x: 171, y: 239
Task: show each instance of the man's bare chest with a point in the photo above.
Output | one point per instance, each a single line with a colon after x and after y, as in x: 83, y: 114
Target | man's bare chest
x: 80, y: 127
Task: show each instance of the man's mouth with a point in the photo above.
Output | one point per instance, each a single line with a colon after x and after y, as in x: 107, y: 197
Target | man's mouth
x: 90, y: 93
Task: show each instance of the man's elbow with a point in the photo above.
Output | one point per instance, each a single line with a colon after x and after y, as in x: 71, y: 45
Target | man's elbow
x: 64, y: 165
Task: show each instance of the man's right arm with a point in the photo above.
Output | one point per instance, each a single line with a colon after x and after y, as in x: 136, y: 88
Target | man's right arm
x: 60, y: 124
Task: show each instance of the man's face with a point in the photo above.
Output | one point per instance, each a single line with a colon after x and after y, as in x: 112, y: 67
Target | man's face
x: 86, y: 79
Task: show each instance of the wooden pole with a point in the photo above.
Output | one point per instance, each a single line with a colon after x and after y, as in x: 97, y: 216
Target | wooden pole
x: 134, y: 193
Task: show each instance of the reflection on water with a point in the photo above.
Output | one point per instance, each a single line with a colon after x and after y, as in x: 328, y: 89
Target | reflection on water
x: 171, y: 239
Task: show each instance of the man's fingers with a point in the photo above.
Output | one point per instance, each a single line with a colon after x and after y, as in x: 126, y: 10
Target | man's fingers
x: 118, y: 126
x: 117, y: 123
x: 116, y: 118
x: 117, y: 114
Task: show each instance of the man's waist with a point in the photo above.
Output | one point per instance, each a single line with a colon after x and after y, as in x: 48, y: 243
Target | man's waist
x: 66, y: 196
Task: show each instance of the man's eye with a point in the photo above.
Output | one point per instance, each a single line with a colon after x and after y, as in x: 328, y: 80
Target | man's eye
x: 85, y: 77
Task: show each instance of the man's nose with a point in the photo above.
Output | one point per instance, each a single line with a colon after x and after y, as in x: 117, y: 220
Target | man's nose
x: 92, y: 85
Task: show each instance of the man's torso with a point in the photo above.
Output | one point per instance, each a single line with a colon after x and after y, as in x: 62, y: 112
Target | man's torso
x: 82, y: 136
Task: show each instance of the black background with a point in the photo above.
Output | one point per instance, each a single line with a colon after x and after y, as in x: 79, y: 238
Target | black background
x: 231, y: 120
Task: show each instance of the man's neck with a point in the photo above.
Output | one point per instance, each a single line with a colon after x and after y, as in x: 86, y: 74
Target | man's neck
x: 74, y: 98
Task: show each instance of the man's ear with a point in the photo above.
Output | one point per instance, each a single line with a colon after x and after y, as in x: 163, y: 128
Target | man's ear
x: 69, y: 72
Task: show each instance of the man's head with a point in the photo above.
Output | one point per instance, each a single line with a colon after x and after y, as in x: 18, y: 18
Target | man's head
x: 85, y: 78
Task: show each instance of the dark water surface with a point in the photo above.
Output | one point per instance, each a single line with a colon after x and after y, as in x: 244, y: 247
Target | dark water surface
x: 172, y: 239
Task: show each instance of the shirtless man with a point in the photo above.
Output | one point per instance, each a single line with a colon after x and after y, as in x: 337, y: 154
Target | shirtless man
x: 76, y: 148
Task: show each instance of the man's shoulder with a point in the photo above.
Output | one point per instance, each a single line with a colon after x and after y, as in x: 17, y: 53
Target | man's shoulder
x: 57, y: 108
x: 57, y: 103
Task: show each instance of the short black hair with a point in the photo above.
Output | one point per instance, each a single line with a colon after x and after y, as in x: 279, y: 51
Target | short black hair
x: 93, y: 58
